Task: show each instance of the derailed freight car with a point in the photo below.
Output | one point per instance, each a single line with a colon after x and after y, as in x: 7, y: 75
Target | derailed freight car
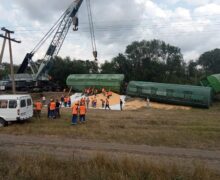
x: 172, y: 93
x: 79, y: 82
x: 212, y: 81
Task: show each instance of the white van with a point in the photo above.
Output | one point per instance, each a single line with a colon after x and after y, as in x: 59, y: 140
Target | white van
x: 15, y: 108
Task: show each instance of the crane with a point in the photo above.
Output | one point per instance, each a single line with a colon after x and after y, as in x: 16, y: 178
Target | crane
x: 61, y: 28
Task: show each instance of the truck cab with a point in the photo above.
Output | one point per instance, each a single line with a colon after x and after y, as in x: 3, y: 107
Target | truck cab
x: 15, y: 108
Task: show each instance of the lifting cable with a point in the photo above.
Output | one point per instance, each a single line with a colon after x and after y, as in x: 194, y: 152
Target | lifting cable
x: 49, y: 33
x: 91, y: 29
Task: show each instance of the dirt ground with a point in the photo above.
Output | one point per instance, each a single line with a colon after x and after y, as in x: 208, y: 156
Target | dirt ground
x: 66, y: 148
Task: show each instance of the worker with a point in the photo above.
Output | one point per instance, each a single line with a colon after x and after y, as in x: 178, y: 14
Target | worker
x: 38, y: 108
x: 103, y: 91
x: 75, y: 113
x: 121, y: 104
x: 48, y: 110
x: 109, y: 94
x: 87, y: 102
x: 52, y: 109
x: 62, y: 100
x: 85, y: 92
x: 92, y: 102
x: 107, y: 104
x: 82, y: 101
x: 88, y: 91
x: 68, y: 101
x: 148, y: 102
x: 103, y: 103
x: 65, y: 101
x: 82, y: 113
x: 43, y: 100
x: 95, y: 102
x: 95, y: 92
x: 57, y: 110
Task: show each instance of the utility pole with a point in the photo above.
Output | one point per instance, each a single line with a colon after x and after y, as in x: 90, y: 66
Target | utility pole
x: 7, y: 36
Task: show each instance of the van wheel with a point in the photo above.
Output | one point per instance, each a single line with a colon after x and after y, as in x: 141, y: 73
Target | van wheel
x: 3, y: 123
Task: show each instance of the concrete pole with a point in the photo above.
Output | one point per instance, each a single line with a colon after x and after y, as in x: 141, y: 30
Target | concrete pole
x: 3, y: 49
x: 11, y: 66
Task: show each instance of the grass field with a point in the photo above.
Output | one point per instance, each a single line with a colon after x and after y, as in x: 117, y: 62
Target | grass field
x: 195, y: 128
x: 16, y: 167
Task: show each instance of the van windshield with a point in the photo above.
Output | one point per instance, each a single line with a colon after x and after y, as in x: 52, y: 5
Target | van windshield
x: 3, y: 104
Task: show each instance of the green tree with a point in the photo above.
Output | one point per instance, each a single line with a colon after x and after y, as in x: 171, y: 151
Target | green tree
x: 149, y: 61
x: 6, y: 70
x: 108, y: 68
x: 62, y: 68
x: 210, y: 61
x: 152, y: 61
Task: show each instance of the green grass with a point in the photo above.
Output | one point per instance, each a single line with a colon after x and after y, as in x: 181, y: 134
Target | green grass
x: 22, y: 167
x: 196, y: 128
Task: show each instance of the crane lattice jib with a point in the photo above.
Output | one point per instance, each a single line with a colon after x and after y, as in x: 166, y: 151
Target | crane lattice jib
x: 58, y: 38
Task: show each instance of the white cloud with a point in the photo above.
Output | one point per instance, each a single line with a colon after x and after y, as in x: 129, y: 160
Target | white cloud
x: 117, y: 23
x: 208, y: 9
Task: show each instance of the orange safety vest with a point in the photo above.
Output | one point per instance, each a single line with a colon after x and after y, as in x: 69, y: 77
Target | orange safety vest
x: 75, y: 109
x: 82, y: 110
x: 38, y: 105
x: 52, y: 106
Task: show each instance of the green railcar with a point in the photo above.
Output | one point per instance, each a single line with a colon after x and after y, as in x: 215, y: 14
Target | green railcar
x: 212, y: 81
x: 111, y: 82
x: 172, y: 93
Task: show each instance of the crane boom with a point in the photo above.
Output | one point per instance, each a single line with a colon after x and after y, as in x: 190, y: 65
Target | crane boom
x: 58, y: 38
x: 59, y: 31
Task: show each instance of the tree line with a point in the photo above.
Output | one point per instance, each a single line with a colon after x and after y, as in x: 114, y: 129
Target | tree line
x: 154, y: 61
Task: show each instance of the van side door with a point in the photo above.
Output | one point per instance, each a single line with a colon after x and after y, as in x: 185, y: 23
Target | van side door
x: 12, y: 109
x: 29, y: 108
x: 23, y: 108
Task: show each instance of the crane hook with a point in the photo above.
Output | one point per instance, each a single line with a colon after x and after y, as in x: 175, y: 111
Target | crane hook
x: 75, y: 20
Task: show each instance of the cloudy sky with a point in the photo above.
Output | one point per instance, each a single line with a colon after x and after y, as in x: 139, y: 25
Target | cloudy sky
x: 192, y: 25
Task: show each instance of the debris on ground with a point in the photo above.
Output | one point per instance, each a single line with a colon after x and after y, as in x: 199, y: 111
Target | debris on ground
x: 137, y: 103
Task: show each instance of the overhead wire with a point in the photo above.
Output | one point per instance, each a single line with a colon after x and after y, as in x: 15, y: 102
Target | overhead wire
x: 127, y: 27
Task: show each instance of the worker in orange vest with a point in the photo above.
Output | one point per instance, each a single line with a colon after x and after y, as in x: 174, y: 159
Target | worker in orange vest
x: 52, y: 109
x: 82, y: 113
x: 75, y: 113
x: 109, y: 94
x: 38, y: 108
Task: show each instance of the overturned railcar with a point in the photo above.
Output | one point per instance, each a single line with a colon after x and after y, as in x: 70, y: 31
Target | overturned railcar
x: 172, y: 93
x: 212, y: 81
x: 79, y: 82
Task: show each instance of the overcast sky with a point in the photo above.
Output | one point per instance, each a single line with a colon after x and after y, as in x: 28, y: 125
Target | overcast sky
x: 192, y: 25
